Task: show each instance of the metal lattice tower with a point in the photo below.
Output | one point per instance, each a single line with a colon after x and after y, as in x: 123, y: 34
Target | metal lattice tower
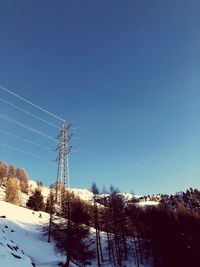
x: 62, y: 159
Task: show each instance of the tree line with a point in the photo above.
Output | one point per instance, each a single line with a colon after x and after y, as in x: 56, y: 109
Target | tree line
x: 15, y: 181
x: 112, y: 229
x: 124, y: 234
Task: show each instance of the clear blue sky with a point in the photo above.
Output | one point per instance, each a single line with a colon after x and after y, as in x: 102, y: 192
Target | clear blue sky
x: 125, y: 72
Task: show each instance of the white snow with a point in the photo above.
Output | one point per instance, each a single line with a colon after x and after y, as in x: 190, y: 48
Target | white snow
x: 84, y: 194
x: 22, y: 242
x: 147, y: 203
x: 44, y: 190
x: 21, y: 234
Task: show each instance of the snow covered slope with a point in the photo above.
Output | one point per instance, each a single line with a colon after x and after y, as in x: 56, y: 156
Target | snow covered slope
x: 84, y: 194
x: 21, y: 241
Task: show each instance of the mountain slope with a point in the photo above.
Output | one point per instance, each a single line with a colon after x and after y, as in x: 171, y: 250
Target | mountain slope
x: 21, y: 239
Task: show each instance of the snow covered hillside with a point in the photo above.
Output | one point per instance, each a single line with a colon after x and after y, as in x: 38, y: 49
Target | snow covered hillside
x: 22, y: 243
x: 86, y: 195
x: 22, y: 239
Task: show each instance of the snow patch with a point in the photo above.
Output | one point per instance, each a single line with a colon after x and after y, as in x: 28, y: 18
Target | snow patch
x: 21, y: 239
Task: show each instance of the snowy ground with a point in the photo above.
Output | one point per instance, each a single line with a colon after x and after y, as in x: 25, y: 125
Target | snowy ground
x: 147, y: 203
x: 22, y: 243
x: 21, y: 239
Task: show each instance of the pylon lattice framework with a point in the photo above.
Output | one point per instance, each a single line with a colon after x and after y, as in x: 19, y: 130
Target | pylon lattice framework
x: 62, y: 159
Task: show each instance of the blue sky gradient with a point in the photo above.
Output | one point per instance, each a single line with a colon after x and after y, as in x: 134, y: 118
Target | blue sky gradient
x: 125, y: 72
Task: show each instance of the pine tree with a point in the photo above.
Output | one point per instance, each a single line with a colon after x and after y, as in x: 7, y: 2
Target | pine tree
x: 134, y: 229
x: 116, y: 209
x: 50, y: 202
x: 99, y: 253
x: 39, y: 183
x: 50, y: 209
x: 36, y: 201
x: 71, y: 233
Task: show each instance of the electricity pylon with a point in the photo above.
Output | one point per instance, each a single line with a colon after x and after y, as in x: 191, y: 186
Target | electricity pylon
x: 62, y: 159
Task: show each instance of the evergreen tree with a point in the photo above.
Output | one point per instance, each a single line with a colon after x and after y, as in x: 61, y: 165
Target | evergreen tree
x: 39, y: 183
x: 134, y: 231
x: 71, y: 233
x: 50, y: 202
x: 99, y: 252
x: 117, y: 216
x: 36, y: 201
x: 50, y: 209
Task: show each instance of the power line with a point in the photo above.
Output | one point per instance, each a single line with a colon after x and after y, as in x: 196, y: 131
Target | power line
x: 29, y: 102
x: 29, y: 113
x: 25, y: 140
x: 64, y: 138
x: 23, y: 151
x: 27, y: 127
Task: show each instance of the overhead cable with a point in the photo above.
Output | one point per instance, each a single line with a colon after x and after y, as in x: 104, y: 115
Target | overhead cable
x: 27, y: 127
x: 29, y: 113
x: 29, y: 102
x: 25, y: 140
x: 23, y: 151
